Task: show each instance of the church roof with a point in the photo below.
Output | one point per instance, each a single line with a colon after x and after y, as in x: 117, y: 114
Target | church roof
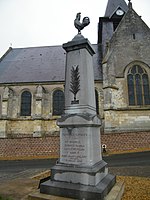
x: 113, y: 5
x: 39, y: 64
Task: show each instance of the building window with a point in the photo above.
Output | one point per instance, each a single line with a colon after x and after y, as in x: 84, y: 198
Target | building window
x: 58, y: 102
x: 97, y: 102
x: 26, y: 98
x: 0, y: 105
x: 138, y: 86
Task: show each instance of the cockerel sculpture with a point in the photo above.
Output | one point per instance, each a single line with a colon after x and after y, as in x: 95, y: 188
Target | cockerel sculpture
x: 80, y: 25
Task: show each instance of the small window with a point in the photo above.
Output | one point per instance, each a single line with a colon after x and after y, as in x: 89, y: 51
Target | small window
x: 134, y: 36
x: 58, y: 102
x: 97, y: 102
x: 26, y: 98
x: 138, y: 86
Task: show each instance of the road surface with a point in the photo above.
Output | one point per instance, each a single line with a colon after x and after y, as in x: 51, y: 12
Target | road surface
x: 132, y: 164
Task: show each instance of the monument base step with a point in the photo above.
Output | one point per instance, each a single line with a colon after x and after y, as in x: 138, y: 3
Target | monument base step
x: 115, y: 194
x: 79, y: 191
x: 84, y: 175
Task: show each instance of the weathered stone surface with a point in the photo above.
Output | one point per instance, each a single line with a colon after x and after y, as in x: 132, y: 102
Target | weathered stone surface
x: 86, y: 175
x: 79, y: 56
x: 128, y: 46
x: 80, y: 172
x: 78, y: 191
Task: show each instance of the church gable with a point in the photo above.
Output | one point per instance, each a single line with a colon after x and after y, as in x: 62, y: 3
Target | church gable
x: 129, y: 42
x: 131, y: 24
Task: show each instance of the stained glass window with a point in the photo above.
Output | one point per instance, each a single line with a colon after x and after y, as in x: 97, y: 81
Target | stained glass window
x: 26, y: 98
x: 58, y: 102
x: 131, y: 89
x: 146, y: 89
x: 138, y: 86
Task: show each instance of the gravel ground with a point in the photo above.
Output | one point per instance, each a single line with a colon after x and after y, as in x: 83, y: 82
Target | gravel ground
x: 136, y: 188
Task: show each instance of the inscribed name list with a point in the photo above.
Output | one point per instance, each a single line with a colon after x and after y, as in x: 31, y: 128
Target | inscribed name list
x: 74, y: 146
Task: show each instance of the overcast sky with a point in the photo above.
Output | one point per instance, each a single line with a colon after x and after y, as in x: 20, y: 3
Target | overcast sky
x: 26, y: 23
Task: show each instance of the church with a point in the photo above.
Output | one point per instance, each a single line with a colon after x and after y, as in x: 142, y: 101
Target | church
x: 32, y: 79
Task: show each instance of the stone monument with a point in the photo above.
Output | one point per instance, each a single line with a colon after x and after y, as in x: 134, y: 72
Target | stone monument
x: 80, y: 172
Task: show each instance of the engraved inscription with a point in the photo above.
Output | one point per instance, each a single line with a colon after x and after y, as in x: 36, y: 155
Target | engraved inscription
x: 74, y: 148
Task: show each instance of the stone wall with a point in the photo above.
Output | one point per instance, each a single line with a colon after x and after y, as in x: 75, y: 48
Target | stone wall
x: 119, y: 115
x: 48, y: 147
x: 128, y: 47
x: 127, y: 120
x: 42, y: 121
x: 30, y: 127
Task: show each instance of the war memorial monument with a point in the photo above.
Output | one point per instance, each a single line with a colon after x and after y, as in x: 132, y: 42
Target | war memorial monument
x: 80, y: 173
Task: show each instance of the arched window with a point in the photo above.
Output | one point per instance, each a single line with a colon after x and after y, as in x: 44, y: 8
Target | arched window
x: 97, y: 102
x: 138, y: 86
x: 58, y: 102
x: 26, y: 98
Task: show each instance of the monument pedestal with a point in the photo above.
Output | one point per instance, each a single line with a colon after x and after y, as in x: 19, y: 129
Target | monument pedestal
x: 80, y: 172
x: 79, y: 191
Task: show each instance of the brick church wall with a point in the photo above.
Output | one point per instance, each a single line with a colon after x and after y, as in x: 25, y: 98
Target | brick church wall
x: 48, y: 147
x: 117, y: 142
x: 28, y: 147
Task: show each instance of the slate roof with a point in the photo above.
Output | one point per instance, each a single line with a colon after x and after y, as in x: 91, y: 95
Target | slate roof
x: 112, y: 6
x: 39, y: 64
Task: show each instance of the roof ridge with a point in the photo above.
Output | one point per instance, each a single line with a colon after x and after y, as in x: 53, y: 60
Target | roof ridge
x: 5, y: 54
x: 33, y: 47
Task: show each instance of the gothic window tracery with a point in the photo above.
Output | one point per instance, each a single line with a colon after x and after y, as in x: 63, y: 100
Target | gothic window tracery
x: 138, y: 86
x: 26, y: 99
x: 58, y: 102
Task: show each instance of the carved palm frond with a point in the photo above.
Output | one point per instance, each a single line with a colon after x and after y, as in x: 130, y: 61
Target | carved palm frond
x: 75, y: 80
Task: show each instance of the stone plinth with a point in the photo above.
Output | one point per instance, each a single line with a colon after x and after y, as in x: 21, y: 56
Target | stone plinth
x: 79, y: 191
x: 115, y: 194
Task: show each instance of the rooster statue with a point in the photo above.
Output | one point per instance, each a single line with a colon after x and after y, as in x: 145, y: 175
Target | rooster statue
x: 80, y: 25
